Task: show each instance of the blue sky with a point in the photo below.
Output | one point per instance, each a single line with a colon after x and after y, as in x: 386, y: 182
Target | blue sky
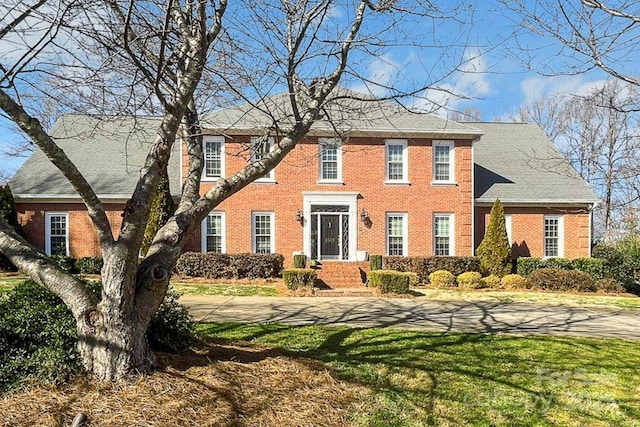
x: 493, y: 78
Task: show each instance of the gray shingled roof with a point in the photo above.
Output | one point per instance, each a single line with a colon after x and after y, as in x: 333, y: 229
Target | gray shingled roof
x: 517, y: 163
x: 362, y: 116
x: 109, y: 151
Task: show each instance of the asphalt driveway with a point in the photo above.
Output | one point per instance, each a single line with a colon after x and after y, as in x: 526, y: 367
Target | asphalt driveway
x: 420, y: 314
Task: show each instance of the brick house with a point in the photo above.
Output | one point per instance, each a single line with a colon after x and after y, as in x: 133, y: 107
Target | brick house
x: 394, y: 183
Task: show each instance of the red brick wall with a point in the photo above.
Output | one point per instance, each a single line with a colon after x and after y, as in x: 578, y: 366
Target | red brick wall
x: 364, y: 172
x: 527, y: 229
x: 83, y: 240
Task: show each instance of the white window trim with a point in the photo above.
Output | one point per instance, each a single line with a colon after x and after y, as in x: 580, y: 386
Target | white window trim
x: 452, y: 233
x: 47, y: 231
x: 322, y: 143
x: 405, y: 231
x: 452, y: 163
x: 270, y: 177
x: 507, y: 223
x: 405, y: 162
x: 223, y: 231
x: 272, y: 230
x: 560, y: 219
x: 221, y: 140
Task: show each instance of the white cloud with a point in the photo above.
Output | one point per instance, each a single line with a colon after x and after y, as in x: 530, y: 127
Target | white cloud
x: 535, y: 87
x: 381, y: 74
x: 469, y: 82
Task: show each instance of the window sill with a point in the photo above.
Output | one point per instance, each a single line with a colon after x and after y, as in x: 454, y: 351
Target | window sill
x: 397, y: 183
x: 210, y: 179
x: 265, y: 181
x: 444, y: 183
x: 328, y: 182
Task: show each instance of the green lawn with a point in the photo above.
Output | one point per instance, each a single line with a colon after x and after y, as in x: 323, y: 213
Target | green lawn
x: 424, y: 379
x: 7, y: 283
x: 225, y: 290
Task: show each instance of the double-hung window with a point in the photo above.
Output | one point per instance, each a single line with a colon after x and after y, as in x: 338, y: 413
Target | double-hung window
x: 443, y: 162
x: 330, y: 161
x: 213, y: 158
x: 553, y: 236
x: 397, y: 165
x: 443, y: 235
x: 260, y: 147
x: 397, y: 234
x: 213, y: 233
x: 57, y: 233
x: 263, y: 228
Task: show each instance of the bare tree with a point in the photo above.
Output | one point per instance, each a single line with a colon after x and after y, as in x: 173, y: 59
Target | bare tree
x: 166, y: 57
x: 600, y: 137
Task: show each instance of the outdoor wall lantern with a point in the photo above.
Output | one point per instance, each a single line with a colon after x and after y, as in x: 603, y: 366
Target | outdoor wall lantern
x: 364, y: 216
x: 299, y: 216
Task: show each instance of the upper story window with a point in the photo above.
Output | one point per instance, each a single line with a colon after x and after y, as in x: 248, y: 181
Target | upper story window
x: 397, y: 162
x: 443, y: 234
x: 213, y: 233
x: 213, y: 158
x: 397, y: 234
x: 553, y: 236
x: 443, y: 162
x: 263, y: 231
x: 57, y: 233
x: 330, y: 160
x: 260, y: 147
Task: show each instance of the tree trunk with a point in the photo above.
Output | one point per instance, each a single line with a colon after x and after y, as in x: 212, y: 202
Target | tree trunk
x: 115, y: 348
x: 113, y: 342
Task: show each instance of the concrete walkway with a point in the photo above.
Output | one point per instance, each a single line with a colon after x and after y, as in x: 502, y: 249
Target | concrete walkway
x: 420, y: 314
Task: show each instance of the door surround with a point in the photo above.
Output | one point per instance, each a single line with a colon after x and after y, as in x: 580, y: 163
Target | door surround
x: 349, y: 199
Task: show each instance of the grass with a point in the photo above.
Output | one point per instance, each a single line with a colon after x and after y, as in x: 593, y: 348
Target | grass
x: 7, y: 283
x: 225, y: 290
x: 424, y: 379
x: 630, y: 302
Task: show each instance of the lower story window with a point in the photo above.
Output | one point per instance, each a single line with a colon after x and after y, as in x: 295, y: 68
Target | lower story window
x: 213, y: 233
x: 443, y: 234
x: 263, y: 232
x: 552, y: 236
x: 396, y: 234
x: 57, y: 233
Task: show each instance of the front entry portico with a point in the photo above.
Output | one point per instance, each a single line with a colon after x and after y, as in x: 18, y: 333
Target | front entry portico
x: 330, y: 226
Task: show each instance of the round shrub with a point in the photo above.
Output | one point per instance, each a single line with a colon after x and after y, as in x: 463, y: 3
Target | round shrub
x: 470, y: 280
x: 299, y: 278
x: 89, y: 265
x: 574, y: 280
x: 610, y: 286
x: 442, y: 278
x: 492, y: 281
x: 513, y: 281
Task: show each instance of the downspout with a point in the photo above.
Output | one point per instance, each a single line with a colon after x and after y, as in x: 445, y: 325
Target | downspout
x: 591, y: 209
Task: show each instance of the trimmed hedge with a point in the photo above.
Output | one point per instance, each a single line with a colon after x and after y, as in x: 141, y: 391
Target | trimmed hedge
x: 299, y: 261
x: 229, y: 266
x: 299, y: 278
x: 442, y: 278
x: 390, y: 281
x: 375, y: 262
x: 89, y: 265
x: 594, y: 267
x: 470, y: 280
x: 553, y: 279
x: 424, y: 266
x: 610, y: 286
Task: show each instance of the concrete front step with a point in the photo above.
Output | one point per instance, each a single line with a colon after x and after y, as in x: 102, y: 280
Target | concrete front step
x: 344, y: 292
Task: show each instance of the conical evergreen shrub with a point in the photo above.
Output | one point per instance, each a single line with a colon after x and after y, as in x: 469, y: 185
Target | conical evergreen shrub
x: 495, y: 251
